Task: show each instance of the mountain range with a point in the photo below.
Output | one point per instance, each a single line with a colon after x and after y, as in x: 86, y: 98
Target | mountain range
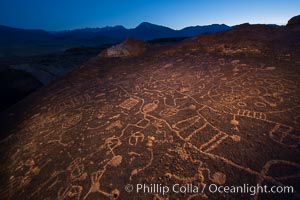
x: 15, y: 38
x: 144, y: 31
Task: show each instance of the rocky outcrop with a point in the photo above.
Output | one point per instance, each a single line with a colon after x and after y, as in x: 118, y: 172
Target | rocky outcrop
x: 130, y: 47
x: 216, y: 109
x: 294, y: 21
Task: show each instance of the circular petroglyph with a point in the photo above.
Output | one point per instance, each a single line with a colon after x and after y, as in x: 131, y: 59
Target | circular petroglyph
x: 241, y: 104
x: 221, y: 61
x: 228, y: 98
x: 254, y: 92
x: 218, y: 75
x: 260, y: 104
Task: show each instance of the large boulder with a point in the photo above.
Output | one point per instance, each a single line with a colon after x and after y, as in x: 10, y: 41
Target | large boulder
x: 130, y: 47
x: 294, y: 21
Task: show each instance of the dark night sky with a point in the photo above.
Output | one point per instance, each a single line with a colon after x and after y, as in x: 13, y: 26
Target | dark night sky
x: 71, y: 14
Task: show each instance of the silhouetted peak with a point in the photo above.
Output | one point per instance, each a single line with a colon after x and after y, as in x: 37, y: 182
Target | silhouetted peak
x: 116, y: 28
x: 243, y: 25
x: 146, y: 25
x: 294, y: 21
x: 119, y: 27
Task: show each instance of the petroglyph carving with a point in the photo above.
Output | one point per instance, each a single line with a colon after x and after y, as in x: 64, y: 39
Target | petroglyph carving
x: 77, y: 170
x: 135, y: 138
x: 219, y: 178
x: 168, y: 112
x: 150, y: 140
x: 70, y: 102
x: 252, y: 114
x: 136, y: 171
x: 129, y: 103
x: 283, y: 135
x: 235, y: 123
x: 182, y: 153
x: 260, y: 104
x: 213, y: 142
x: 221, y: 61
x: 196, y: 121
x: 150, y: 106
x: 107, y: 108
x: 236, y: 138
x: 71, y: 120
x: 95, y: 183
x: 72, y: 191
x: 115, y: 161
x: 115, y: 194
x: 241, y: 104
x: 116, y: 124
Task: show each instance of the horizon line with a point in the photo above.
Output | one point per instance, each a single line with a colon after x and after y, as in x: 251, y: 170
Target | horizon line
x: 98, y: 27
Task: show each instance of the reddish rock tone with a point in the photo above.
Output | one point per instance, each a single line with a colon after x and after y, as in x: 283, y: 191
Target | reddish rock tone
x: 214, y: 109
x: 130, y: 47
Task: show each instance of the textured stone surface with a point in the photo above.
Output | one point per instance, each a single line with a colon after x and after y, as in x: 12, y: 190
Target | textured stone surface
x: 130, y: 47
x: 214, y: 109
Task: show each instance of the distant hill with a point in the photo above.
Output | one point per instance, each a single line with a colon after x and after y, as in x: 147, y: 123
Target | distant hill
x: 15, y: 40
x: 16, y: 36
x: 145, y: 31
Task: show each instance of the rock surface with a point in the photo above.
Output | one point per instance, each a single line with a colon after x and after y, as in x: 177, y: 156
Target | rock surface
x: 214, y: 109
x: 130, y: 47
